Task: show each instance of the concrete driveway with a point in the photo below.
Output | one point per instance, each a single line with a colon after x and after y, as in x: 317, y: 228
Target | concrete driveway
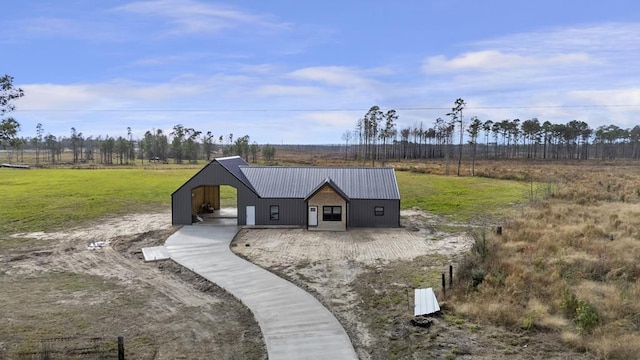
x: 294, y: 324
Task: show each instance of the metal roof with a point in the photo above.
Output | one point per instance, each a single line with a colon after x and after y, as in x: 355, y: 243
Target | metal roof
x: 425, y: 302
x: 299, y: 182
x: 233, y: 165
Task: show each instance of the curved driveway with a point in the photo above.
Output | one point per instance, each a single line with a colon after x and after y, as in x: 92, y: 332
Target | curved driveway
x: 294, y: 324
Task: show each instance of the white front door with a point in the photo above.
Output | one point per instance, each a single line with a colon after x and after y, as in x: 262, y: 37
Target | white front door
x: 251, y: 215
x: 313, y: 216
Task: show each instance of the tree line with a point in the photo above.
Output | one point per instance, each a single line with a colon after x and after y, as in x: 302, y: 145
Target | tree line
x: 181, y: 145
x: 377, y: 138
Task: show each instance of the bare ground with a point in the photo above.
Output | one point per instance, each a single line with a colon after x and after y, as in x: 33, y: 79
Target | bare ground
x: 53, y: 286
x: 366, y: 278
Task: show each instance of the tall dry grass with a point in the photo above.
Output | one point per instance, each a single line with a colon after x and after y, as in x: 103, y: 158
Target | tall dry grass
x: 569, y: 264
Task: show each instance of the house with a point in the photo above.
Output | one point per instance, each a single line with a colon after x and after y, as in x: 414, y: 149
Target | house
x: 317, y: 198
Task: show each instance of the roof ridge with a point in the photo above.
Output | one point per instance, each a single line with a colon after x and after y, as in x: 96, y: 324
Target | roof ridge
x: 227, y: 157
x: 317, y: 167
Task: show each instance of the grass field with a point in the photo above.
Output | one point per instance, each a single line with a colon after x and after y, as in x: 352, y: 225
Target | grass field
x: 463, y: 198
x: 45, y: 199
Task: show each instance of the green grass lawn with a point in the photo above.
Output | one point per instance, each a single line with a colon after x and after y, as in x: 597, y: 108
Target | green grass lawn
x: 46, y: 199
x: 462, y: 198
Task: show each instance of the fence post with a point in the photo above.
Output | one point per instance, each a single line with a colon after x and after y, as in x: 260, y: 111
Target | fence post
x: 120, y: 348
x: 444, y: 290
x: 450, y: 276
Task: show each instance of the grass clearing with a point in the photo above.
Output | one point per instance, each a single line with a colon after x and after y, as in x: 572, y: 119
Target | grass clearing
x: 46, y: 199
x: 463, y: 198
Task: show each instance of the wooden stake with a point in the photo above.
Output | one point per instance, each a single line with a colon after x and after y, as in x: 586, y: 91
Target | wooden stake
x: 120, y: 348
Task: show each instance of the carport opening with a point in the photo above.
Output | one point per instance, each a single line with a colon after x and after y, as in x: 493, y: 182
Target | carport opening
x: 210, y: 202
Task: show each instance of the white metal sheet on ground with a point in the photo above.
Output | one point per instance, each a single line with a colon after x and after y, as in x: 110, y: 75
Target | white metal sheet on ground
x: 155, y: 253
x: 425, y: 302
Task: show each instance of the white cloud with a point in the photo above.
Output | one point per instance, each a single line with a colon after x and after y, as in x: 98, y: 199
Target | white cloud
x: 48, y: 27
x: 336, y: 119
x: 111, y: 95
x: 171, y: 59
x: 332, y: 75
x: 620, y: 97
x: 193, y: 17
x: 288, y: 90
x: 497, y: 60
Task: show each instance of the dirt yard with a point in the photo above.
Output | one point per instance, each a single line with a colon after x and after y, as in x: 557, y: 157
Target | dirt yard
x: 54, y: 287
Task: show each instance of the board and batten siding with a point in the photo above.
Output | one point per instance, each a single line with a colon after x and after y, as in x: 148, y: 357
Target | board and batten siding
x: 291, y: 212
x: 212, y: 174
x: 361, y: 213
x: 326, y: 196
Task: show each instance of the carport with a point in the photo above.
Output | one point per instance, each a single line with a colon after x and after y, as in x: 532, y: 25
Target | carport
x: 200, y: 195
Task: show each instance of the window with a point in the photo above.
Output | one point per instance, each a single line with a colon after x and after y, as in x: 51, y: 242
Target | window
x: 378, y: 211
x: 274, y: 212
x: 332, y: 213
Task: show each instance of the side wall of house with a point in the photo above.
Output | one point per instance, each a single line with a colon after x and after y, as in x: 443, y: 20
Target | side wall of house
x: 212, y: 174
x: 362, y: 213
x: 290, y: 212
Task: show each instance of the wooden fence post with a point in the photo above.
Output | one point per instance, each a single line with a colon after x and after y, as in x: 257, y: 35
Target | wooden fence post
x: 120, y: 348
x: 450, y: 276
x: 444, y: 290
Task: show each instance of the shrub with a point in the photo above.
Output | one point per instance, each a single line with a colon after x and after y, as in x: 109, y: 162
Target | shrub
x: 569, y: 303
x: 582, y: 313
x: 465, y: 268
x: 586, y: 317
x: 477, y: 276
x: 471, y: 269
x: 480, y: 246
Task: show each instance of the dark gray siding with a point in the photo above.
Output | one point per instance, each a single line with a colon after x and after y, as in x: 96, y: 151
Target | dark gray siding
x: 246, y: 198
x: 365, y: 188
x: 361, y: 213
x: 212, y: 174
x: 292, y: 212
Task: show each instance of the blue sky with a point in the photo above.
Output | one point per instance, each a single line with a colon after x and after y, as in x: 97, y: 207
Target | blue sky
x: 304, y: 72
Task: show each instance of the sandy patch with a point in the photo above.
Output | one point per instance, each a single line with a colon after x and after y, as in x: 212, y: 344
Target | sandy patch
x: 108, y: 229
x: 365, y: 246
x: 184, y: 315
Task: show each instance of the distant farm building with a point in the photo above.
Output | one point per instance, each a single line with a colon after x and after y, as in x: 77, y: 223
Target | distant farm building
x: 317, y: 198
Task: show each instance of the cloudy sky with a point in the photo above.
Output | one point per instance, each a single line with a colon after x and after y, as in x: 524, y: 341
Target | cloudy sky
x: 286, y: 71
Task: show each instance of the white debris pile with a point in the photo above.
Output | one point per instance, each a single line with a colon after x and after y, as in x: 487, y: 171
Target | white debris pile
x: 98, y: 245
